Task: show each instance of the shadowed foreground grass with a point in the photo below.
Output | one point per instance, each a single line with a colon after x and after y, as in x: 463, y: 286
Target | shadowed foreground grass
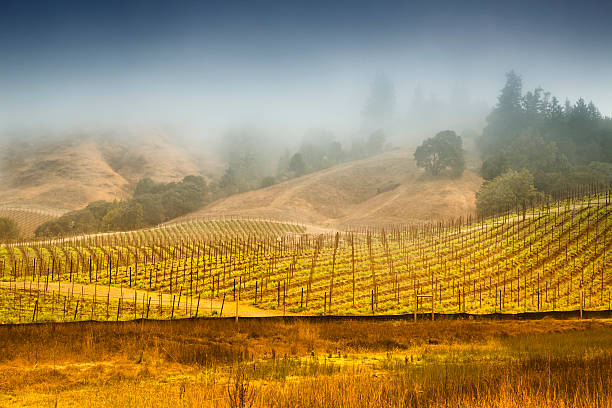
x: 268, y: 363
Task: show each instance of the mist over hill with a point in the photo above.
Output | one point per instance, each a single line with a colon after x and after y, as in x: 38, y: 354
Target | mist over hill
x: 70, y: 170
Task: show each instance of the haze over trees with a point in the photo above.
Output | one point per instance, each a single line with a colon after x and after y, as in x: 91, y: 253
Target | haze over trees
x: 562, y: 145
x: 379, y: 108
x: 321, y: 150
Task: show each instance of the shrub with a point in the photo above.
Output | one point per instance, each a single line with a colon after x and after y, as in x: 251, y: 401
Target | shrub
x: 513, y: 189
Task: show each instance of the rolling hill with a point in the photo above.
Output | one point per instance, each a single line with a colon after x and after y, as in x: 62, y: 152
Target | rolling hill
x: 381, y: 190
x: 553, y: 257
x: 67, y: 172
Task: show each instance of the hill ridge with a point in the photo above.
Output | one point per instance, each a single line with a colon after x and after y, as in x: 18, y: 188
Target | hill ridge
x: 354, y: 193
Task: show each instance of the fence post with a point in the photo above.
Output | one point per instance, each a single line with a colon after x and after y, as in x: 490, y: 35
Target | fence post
x: 581, y: 304
x: 35, y: 310
x: 416, y: 305
x: 432, y: 308
x: 172, y: 313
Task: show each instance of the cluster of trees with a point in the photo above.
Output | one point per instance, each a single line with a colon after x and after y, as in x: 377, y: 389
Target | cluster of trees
x: 511, y: 190
x: 9, y: 230
x: 151, y: 204
x: 561, y: 146
x: 247, y: 154
x: 321, y: 150
x: 553, y: 141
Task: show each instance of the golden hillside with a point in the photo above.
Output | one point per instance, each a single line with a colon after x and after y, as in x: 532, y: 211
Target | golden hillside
x: 71, y: 171
x: 385, y: 189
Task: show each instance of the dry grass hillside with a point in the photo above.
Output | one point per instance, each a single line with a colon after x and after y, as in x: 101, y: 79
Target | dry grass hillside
x: 69, y: 172
x: 385, y: 189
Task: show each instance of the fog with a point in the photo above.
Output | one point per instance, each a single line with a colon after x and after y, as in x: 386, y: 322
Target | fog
x: 201, y: 70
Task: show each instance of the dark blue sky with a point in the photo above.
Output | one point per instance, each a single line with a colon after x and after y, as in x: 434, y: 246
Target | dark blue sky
x: 210, y: 63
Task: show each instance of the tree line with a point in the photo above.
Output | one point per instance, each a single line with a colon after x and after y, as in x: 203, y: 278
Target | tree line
x: 248, y: 166
x: 533, y: 145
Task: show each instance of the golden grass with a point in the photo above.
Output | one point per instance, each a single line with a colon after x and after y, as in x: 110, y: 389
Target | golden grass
x: 207, y: 363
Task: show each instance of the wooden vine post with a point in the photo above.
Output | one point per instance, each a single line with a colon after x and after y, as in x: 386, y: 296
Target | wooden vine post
x: 312, y: 269
x: 331, y: 283
x: 353, y: 265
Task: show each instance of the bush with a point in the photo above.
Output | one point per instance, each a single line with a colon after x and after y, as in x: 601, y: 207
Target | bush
x: 513, y: 189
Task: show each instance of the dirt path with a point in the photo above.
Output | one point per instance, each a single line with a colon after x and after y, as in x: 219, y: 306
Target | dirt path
x: 101, y: 292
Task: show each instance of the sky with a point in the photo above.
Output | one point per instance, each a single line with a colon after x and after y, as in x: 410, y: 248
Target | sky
x: 205, y: 66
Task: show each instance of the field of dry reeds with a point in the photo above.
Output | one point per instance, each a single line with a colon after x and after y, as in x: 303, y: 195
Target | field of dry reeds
x: 276, y: 363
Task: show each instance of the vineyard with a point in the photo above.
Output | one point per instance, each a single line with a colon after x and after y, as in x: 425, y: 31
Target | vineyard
x: 551, y: 257
x: 28, y: 219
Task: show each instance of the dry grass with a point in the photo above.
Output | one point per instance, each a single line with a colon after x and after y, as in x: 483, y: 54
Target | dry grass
x: 348, y: 195
x: 74, y: 170
x: 210, y: 363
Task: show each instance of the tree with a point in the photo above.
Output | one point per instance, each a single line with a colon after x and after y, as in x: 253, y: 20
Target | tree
x: 508, y: 117
x: 283, y: 163
x: 152, y: 208
x: 441, y: 152
x: 513, y: 189
x: 9, y: 230
x: 541, y: 157
x: 268, y: 181
x: 246, y: 150
x: 228, y: 184
x: 494, y: 166
x: 297, y: 165
x: 146, y: 186
x: 511, y: 95
x: 99, y: 208
x: 319, y: 150
x: 152, y: 204
x: 379, y: 107
x: 376, y: 143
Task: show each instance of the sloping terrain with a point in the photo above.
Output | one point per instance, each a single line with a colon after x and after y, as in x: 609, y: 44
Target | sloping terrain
x: 554, y: 257
x: 385, y: 189
x: 71, y: 171
x: 28, y: 219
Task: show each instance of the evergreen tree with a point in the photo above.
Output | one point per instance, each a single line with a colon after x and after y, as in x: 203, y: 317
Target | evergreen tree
x: 297, y: 165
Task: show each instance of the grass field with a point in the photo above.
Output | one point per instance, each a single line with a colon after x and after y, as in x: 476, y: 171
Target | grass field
x: 265, y: 363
